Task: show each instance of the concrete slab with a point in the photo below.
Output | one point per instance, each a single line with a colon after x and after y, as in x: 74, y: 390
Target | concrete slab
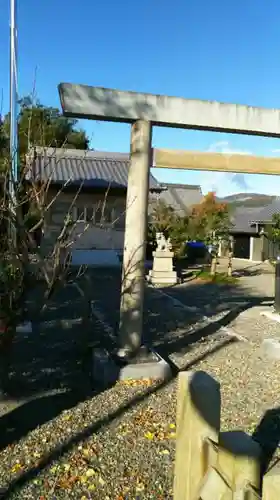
x: 147, y: 365
x: 272, y: 315
x: 106, y: 370
x: 24, y: 327
x: 161, y: 280
x: 95, y: 258
x: 97, y: 103
x: 271, y: 348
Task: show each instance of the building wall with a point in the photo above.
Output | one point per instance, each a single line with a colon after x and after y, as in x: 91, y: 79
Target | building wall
x: 86, y: 234
x: 241, y: 245
x: 257, y: 248
x: 271, y: 249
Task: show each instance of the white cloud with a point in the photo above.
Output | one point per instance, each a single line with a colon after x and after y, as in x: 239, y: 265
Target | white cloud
x: 221, y: 182
x: 224, y: 147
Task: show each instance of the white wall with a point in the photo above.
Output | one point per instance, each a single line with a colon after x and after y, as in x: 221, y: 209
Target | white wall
x: 85, y: 236
x: 97, y: 238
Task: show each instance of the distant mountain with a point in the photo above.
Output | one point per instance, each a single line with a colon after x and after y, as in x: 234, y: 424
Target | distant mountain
x: 247, y: 199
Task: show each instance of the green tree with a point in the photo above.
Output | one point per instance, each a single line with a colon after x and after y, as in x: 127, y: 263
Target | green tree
x: 4, y: 144
x: 274, y: 230
x: 210, y: 220
x: 164, y: 219
x: 40, y: 125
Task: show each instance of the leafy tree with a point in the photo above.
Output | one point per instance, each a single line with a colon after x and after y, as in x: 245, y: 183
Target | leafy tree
x: 40, y: 125
x: 4, y: 143
x: 210, y: 216
x: 164, y: 219
x: 210, y: 220
x: 274, y: 230
x: 179, y: 234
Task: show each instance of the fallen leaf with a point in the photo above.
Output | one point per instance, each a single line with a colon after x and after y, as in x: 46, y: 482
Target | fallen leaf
x: 172, y: 426
x: 164, y: 452
x: 73, y: 479
x: 66, y: 417
x: 63, y: 483
x: 161, y: 436
x: 91, y: 487
x: 140, y: 487
x: 54, y: 469
x: 16, y: 467
x: 90, y: 472
x: 101, y: 481
x: 171, y: 435
x: 149, y: 435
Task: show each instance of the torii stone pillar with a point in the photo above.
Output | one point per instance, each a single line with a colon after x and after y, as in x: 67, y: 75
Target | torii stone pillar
x: 133, y: 275
x: 144, y: 110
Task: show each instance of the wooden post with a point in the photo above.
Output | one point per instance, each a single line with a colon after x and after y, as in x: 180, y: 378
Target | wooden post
x: 230, y: 255
x: 198, y: 423
x: 271, y: 484
x: 239, y: 458
x: 277, y: 287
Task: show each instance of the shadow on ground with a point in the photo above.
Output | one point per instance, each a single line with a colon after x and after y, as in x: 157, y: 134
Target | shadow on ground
x: 171, y: 326
x: 54, y: 362
x: 50, y: 369
x: 62, y: 449
x: 267, y: 434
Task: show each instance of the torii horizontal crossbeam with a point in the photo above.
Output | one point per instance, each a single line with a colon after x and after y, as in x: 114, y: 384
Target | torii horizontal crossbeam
x: 218, y: 162
x: 97, y: 103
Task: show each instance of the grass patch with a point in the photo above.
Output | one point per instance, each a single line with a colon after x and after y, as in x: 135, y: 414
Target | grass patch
x: 219, y: 278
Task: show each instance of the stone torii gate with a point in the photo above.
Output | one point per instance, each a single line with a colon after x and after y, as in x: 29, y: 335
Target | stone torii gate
x: 143, y: 111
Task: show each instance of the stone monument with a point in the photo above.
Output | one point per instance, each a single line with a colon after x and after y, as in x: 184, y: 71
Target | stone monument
x: 162, y: 272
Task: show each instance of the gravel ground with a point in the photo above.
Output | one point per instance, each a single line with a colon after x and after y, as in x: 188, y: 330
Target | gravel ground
x: 120, y: 443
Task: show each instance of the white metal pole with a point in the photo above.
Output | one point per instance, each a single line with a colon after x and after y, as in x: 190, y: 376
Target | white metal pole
x: 13, y: 103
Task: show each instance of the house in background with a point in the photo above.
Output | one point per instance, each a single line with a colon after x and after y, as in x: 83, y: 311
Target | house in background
x: 181, y: 197
x: 246, y: 237
x: 250, y: 230
x: 100, y: 179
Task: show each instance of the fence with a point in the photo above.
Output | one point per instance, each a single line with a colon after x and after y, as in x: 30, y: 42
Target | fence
x: 210, y: 464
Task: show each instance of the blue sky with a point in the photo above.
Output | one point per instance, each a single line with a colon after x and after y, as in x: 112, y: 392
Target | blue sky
x: 216, y: 50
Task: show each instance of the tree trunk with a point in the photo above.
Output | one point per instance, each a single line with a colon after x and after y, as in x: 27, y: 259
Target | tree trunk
x: 213, y: 265
x: 229, y: 272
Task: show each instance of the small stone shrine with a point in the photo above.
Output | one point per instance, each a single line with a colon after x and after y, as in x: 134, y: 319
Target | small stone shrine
x: 162, y: 272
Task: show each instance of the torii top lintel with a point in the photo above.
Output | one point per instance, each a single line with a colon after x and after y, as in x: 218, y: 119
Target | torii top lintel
x: 97, y: 103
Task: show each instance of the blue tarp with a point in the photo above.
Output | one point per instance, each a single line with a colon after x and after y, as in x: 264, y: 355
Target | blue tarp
x: 196, y: 244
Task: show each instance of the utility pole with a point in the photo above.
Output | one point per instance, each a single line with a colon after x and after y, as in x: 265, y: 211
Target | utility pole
x: 13, y: 173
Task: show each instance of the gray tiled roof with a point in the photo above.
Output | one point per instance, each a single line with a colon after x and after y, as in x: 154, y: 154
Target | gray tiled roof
x: 93, y: 168
x: 241, y: 219
x: 181, y: 196
x: 265, y: 214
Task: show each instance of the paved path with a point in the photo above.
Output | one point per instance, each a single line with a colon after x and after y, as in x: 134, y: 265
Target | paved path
x: 255, y: 277
x: 189, y: 311
x: 49, y: 358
